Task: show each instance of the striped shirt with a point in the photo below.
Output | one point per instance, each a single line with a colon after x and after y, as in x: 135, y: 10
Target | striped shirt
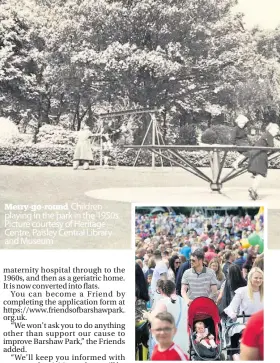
x: 199, y: 284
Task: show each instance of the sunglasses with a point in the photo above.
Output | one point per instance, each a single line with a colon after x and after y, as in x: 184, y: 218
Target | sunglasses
x: 177, y: 262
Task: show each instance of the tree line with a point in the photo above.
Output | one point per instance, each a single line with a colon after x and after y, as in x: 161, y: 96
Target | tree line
x: 63, y: 62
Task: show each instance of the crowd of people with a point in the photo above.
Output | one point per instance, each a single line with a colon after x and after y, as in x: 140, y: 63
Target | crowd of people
x: 179, y: 259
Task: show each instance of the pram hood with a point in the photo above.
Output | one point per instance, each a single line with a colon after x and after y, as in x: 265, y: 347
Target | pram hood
x: 203, y: 308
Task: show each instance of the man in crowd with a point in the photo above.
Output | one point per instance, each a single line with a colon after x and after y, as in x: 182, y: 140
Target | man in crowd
x: 186, y: 250
x: 229, y: 256
x: 140, y: 253
x: 240, y: 260
x: 198, y: 280
x: 184, y: 266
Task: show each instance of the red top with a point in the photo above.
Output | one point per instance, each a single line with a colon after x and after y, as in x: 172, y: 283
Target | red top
x: 253, y: 333
x: 173, y: 353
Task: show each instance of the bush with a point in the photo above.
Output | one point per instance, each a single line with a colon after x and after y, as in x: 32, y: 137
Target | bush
x: 187, y: 135
x: 36, y: 155
x: 126, y: 157
x: 57, y: 155
x: 217, y: 134
x: 56, y: 135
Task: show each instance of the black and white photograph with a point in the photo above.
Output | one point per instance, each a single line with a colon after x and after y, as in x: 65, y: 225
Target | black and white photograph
x: 104, y: 103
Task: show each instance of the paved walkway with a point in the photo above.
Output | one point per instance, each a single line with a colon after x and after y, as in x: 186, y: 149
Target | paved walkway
x: 115, y: 189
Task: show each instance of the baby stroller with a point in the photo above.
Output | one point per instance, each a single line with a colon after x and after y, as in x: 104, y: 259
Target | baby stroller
x: 204, y: 309
x: 141, y: 340
x: 232, y: 333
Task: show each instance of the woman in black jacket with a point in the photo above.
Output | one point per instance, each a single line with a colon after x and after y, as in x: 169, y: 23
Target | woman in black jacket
x: 233, y: 282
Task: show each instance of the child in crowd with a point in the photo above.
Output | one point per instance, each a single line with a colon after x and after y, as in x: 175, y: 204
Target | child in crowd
x: 203, y: 337
x: 163, y: 327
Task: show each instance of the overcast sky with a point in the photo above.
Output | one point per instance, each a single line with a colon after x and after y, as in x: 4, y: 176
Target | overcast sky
x: 265, y: 13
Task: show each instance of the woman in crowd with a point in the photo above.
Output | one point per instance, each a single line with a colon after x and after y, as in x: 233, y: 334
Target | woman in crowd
x: 246, y: 268
x: 175, y: 305
x: 233, y: 282
x: 174, y: 264
x: 259, y: 262
x: 248, y: 299
x: 216, y: 267
x: 220, y: 257
x: 151, y: 267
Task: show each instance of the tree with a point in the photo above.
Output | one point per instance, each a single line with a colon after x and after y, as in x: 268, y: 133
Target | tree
x: 63, y: 61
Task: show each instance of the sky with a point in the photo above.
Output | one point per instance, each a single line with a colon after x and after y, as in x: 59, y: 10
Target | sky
x: 265, y: 13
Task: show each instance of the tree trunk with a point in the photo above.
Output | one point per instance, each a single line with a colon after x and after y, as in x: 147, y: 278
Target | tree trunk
x: 90, y: 114
x: 61, y: 104
x: 47, y: 112
x: 209, y: 120
x: 77, y: 114
x: 39, y: 122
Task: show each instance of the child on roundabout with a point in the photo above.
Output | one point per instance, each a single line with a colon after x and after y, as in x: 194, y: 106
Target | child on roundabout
x: 239, y: 138
x: 258, y: 159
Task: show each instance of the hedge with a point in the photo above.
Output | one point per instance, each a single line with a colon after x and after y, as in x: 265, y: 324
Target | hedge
x: 57, y: 155
x: 36, y: 155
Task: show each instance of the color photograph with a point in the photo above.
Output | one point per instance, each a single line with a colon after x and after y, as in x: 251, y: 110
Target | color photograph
x: 199, y: 283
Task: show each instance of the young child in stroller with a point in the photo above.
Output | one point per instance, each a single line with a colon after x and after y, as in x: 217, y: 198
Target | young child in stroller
x: 203, y: 336
x: 204, y: 328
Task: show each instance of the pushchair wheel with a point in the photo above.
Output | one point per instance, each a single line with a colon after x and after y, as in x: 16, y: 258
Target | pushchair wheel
x: 222, y: 356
